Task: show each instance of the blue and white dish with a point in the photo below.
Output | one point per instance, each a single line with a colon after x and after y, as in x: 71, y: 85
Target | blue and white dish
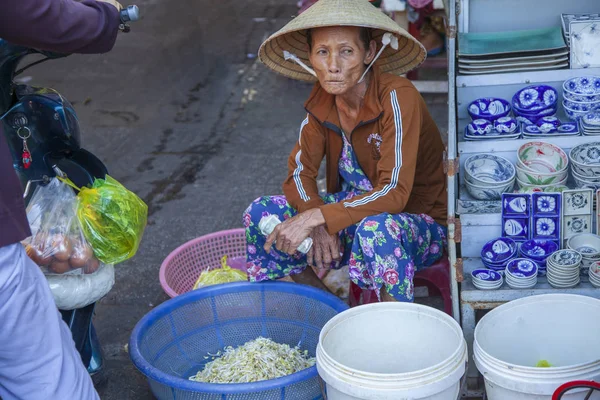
x: 538, y: 249
x: 531, y: 129
x: 574, y: 115
x: 505, y: 125
x: 534, y: 97
x: 565, y: 258
x: 522, y: 268
x: 568, y: 127
x: 592, y: 119
x: 489, y: 192
x: 479, y: 127
x: 484, y: 169
x: 546, y: 203
x: 498, y: 250
x: 515, y: 228
x: 493, y: 135
x: 486, y: 275
x: 532, y: 119
x: 581, y: 106
x: 515, y: 204
x: 582, y: 88
x: 586, y: 154
x: 546, y: 227
x: 489, y: 108
x: 548, y: 124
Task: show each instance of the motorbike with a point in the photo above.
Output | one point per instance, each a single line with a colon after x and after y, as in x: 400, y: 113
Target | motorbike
x: 44, y: 138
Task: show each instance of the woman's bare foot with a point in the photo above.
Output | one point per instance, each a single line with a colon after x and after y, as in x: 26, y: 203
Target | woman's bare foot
x: 385, y: 296
x: 308, y: 277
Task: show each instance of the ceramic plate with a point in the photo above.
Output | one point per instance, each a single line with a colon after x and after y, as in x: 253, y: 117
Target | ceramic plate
x: 585, y: 44
x: 496, y: 65
x: 555, y: 54
x: 511, y: 41
x: 567, y: 18
x: 513, y: 69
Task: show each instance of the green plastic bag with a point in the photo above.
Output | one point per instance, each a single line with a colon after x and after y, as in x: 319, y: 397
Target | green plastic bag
x: 112, y: 218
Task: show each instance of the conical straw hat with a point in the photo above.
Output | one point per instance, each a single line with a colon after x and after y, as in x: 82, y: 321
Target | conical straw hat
x: 292, y: 37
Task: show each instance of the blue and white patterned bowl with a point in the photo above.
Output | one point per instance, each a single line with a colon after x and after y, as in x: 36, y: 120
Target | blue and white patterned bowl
x: 533, y: 118
x: 479, y: 127
x: 591, y: 119
x: 486, y: 275
x: 498, y: 250
x: 538, y: 249
x: 489, y: 170
x: 574, y: 115
x: 488, y: 191
x: 565, y: 258
x: 489, y: 108
x: 522, y: 268
x: 505, y: 125
x: 586, y: 106
x: 585, y: 155
x: 582, y: 88
x: 548, y: 124
x: 534, y: 98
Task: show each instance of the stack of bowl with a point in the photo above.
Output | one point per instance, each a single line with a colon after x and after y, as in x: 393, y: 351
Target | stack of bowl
x: 562, y: 268
x: 588, y: 245
x: 521, y: 273
x: 497, y: 253
x: 585, y: 165
x: 581, y: 95
x: 486, y: 279
x: 487, y: 176
x: 534, y: 102
x: 538, y: 250
x: 594, y: 274
x: 541, y: 165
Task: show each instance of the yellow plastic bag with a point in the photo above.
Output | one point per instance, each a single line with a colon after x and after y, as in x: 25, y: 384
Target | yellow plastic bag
x: 225, y: 274
x: 112, y: 219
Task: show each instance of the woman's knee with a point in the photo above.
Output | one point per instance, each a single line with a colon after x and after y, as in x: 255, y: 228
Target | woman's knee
x: 372, y: 223
x: 254, y: 211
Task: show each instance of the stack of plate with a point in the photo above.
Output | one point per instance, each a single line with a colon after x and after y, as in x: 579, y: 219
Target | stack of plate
x: 512, y: 51
x: 590, y: 124
x: 538, y: 250
x: 521, y: 273
x: 497, y: 253
x: 563, y: 269
x: 486, y: 279
x: 588, y: 245
x: 594, y: 274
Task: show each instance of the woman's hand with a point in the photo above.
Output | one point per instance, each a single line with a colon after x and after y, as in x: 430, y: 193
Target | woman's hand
x: 290, y: 233
x: 325, y: 248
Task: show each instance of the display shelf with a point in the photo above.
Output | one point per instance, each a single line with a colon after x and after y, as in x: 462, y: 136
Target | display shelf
x: 522, y: 78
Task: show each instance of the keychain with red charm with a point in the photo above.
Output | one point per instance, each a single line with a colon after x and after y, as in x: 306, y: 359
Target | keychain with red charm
x: 26, y: 155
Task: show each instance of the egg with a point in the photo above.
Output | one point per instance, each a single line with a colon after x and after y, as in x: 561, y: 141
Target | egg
x: 82, y: 252
x: 92, y: 266
x: 59, y: 267
x: 61, y: 247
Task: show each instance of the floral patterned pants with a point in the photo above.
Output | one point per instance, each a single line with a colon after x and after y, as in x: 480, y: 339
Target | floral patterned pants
x: 381, y: 250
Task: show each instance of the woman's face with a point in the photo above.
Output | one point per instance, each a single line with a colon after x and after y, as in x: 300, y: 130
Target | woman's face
x: 339, y: 58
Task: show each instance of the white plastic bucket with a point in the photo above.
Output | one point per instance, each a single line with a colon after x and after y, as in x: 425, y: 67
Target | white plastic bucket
x: 560, y: 328
x: 392, y: 351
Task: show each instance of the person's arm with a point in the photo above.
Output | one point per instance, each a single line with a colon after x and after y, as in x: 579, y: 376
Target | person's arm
x: 62, y: 26
x: 396, y: 168
x: 300, y: 186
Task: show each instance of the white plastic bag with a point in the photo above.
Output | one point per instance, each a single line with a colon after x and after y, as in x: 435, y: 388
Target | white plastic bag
x: 77, y: 291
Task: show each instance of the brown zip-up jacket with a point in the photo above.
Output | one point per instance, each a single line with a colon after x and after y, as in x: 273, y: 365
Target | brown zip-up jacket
x: 397, y: 145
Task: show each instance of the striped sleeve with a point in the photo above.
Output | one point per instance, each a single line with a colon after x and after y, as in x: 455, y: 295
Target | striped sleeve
x: 396, y: 168
x: 300, y: 186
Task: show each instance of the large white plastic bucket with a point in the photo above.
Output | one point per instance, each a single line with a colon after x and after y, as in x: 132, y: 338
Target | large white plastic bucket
x: 392, y: 351
x: 560, y: 328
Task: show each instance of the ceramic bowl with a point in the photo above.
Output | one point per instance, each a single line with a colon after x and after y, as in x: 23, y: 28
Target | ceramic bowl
x: 574, y: 115
x: 548, y: 124
x: 543, y: 154
x: 489, y: 170
x: 487, y: 192
x: 582, y: 88
x: 506, y: 125
x: 587, y: 179
x: 592, y: 119
x: 594, y: 273
x: 534, y: 97
x: 587, y: 244
x: 585, y: 154
x: 586, y: 106
x: 545, y: 189
x: 489, y: 108
x: 565, y: 258
x: 532, y: 119
x: 540, y: 178
x: 585, y: 184
x: 538, y: 249
x: 498, y: 250
x: 523, y: 184
x: 479, y: 127
x: 521, y: 268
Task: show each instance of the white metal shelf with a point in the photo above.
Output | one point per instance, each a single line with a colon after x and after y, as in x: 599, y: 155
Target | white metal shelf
x: 522, y: 78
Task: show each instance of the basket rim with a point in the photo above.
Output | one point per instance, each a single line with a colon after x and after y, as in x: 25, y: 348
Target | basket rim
x: 226, y: 288
x: 163, y: 266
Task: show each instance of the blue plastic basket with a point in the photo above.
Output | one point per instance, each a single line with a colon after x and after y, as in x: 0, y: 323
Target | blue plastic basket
x: 169, y: 344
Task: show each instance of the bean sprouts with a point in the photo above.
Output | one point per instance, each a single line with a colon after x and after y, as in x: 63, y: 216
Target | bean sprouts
x: 257, y: 360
